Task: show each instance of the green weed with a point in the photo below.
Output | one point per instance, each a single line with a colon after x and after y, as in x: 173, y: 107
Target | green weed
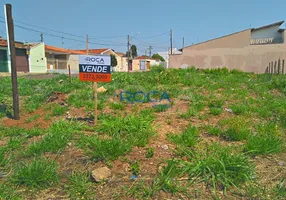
x: 59, y: 110
x: 7, y: 191
x: 135, y: 168
x: 263, y: 144
x: 103, y: 149
x: 117, y: 106
x: 32, y: 118
x: 40, y: 173
x: 220, y: 167
x: 149, y: 153
x: 79, y: 186
x: 188, y: 138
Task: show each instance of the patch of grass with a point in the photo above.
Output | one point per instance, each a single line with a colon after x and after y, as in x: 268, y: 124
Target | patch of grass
x: 188, y: 138
x: 233, y: 134
x: 139, y: 191
x: 104, y: 149
x: 239, y: 109
x: 56, y: 140
x: 79, y: 186
x: 14, y: 143
x: 213, y: 130
x: 117, y: 106
x: 32, y: 118
x: 236, y: 128
x: 263, y: 144
x: 215, y: 107
x: 190, y: 113
x: 216, y: 111
x: 39, y: 173
x: 59, y: 110
x: 149, y: 153
x: 48, y: 117
x: 220, y: 167
x: 280, y: 189
x: 135, y: 129
x: 135, y: 168
x: 9, y: 192
x: 17, y: 131
x: 166, y: 179
x: 161, y: 107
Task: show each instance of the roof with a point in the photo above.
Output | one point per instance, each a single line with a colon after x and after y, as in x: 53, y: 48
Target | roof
x: 252, y: 29
x: 144, y: 58
x: 95, y: 51
x: 62, y: 50
x: 4, y: 43
x: 269, y: 25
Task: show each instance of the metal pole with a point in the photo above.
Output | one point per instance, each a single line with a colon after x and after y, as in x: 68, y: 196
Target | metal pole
x: 171, y: 41
x: 12, y: 53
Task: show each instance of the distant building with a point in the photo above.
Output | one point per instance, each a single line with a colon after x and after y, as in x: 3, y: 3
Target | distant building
x: 143, y: 63
x: 256, y: 50
x: 165, y: 54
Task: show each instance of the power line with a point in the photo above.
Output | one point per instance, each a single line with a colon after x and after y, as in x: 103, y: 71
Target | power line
x: 165, y: 33
x: 61, y: 32
x: 67, y: 38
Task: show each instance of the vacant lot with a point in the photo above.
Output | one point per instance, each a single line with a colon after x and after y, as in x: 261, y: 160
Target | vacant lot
x: 222, y: 138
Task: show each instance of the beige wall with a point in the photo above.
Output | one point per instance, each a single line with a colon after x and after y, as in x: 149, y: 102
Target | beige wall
x: 233, y: 52
x: 135, y: 65
x: 73, y: 62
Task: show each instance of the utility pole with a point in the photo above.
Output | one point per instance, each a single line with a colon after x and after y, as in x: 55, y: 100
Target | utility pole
x: 42, y: 37
x: 12, y: 53
x: 128, y: 46
x: 183, y: 42
x: 150, y: 51
x: 171, y: 41
x: 86, y: 44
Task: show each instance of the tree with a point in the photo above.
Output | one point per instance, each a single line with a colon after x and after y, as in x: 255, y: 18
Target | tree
x: 113, y: 60
x: 134, y: 51
x: 158, y: 57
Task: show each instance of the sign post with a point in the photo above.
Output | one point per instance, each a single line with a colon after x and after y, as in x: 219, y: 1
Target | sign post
x: 95, y: 69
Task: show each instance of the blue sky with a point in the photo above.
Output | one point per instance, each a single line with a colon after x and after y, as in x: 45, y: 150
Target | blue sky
x: 109, y: 22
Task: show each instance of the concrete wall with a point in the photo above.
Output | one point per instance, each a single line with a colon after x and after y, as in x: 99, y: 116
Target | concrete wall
x: 37, y: 59
x: 73, y: 62
x: 233, y: 52
x: 135, y: 65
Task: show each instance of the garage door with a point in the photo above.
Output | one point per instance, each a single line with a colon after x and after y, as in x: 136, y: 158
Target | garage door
x: 22, y: 60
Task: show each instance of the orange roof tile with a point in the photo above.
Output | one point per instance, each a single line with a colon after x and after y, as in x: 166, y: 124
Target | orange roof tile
x: 144, y: 58
x: 94, y: 51
x: 4, y: 43
x: 120, y: 54
x: 62, y: 50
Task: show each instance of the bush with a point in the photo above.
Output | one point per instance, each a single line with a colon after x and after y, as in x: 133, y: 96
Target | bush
x: 188, y: 138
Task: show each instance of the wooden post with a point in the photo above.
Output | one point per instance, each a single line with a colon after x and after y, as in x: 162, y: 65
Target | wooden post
x: 95, y: 102
x: 12, y: 52
x: 69, y: 67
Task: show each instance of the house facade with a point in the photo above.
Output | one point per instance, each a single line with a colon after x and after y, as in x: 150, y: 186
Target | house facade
x: 143, y: 63
x: 259, y: 50
x: 22, y: 62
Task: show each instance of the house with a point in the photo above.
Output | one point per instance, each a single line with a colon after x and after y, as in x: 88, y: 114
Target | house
x: 165, y: 55
x: 122, y: 62
x: 259, y: 50
x: 22, y: 63
x: 143, y: 63
x: 37, y: 58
